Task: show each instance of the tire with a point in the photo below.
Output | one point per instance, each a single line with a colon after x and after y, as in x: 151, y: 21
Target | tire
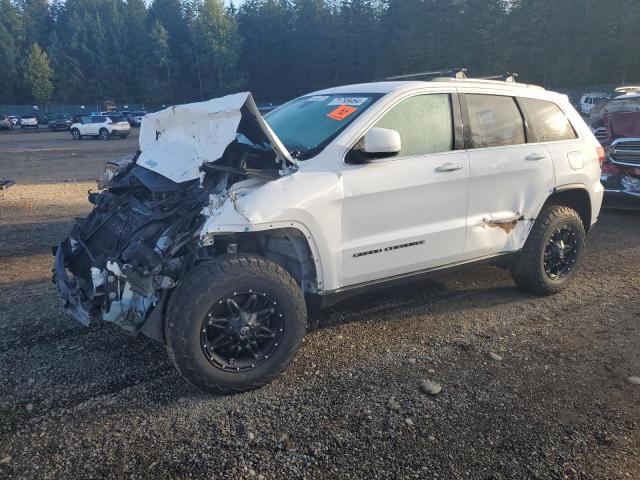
x: 103, y: 134
x: 202, y: 291
x: 75, y: 134
x: 529, y: 269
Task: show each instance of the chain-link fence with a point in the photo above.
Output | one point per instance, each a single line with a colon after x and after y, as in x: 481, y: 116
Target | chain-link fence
x: 74, y: 108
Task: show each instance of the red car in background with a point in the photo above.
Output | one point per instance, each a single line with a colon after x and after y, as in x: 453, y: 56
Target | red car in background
x: 619, y: 134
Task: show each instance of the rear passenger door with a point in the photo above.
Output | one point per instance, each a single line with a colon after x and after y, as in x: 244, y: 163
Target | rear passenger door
x: 510, y: 179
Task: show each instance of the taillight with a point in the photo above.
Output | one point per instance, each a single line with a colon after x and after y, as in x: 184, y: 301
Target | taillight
x: 601, y: 155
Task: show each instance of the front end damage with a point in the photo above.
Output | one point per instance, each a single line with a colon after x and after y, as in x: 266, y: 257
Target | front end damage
x: 621, y: 174
x: 121, y: 262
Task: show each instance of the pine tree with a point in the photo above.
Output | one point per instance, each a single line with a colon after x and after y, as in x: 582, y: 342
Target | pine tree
x: 37, y: 74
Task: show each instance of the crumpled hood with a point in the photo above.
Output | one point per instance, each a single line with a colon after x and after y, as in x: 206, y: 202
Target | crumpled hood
x: 176, y: 141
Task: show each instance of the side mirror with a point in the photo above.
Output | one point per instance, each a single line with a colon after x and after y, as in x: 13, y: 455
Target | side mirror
x: 381, y: 143
x: 376, y: 143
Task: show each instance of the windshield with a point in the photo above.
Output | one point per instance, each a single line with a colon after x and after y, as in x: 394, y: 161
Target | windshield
x: 308, y: 124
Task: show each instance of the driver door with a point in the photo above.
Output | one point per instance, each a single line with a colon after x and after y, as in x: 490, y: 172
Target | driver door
x: 407, y: 213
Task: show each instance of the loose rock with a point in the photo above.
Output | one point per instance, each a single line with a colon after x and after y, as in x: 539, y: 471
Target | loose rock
x: 430, y: 388
x: 495, y: 356
x: 633, y: 380
x: 408, y: 421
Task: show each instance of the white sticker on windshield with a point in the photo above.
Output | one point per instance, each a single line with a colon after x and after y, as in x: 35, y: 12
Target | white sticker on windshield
x: 318, y: 98
x: 351, y: 101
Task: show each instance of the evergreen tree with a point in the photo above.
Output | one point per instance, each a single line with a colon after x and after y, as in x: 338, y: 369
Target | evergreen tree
x: 9, y: 25
x: 37, y: 74
x: 218, y: 46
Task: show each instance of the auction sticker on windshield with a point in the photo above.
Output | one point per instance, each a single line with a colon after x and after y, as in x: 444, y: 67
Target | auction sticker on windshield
x: 318, y: 98
x: 342, y: 112
x: 352, y: 101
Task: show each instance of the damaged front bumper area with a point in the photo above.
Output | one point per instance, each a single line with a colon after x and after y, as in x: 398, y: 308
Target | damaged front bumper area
x: 121, y: 262
x: 70, y: 292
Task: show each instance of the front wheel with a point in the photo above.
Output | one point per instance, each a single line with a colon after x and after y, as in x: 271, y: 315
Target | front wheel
x: 104, y: 134
x: 235, y: 324
x: 552, y: 253
x: 75, y: 134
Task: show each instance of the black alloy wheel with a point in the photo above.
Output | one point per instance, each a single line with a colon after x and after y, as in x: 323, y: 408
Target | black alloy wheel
x: 242, y: 331
x: 560, y: 253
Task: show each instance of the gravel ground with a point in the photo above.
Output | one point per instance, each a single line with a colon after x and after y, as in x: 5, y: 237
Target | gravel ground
x: 531, y: 387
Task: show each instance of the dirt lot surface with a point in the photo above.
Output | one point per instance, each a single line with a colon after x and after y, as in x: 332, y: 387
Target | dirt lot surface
x: 555, y: 400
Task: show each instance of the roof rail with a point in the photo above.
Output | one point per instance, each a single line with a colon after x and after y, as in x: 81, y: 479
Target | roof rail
x: 447, y: 72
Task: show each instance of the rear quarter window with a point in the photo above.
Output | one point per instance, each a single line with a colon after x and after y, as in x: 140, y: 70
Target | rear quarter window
x: 549, y: 122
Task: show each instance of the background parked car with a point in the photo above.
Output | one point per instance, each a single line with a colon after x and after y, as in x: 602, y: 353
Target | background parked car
x: 59, y: 122
x: 29, y: 121
x: 624, y: 103
x: 136, y: 117
x: 101, y: 126
x: 15, y: 120
x: 5, y: 123
x: 43, y: 118
x: 589, y: 100
x: 619, y: 134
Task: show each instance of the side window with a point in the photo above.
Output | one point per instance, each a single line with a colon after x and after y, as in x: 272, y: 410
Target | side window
x: 424, y: 122
x: 549, y: 123
x: 85, y: 120
x: 495, y: 121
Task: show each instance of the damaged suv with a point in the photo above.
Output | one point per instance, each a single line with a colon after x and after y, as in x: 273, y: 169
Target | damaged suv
x: 227, y: 229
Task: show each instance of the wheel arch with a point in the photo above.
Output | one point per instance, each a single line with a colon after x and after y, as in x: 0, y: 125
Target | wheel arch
x: 575, y: 197
x: 288, y: 246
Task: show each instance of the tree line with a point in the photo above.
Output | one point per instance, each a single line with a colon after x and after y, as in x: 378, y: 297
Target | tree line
x: 176, y: 51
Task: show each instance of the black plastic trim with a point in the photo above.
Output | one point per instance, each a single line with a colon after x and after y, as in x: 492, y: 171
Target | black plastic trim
x: 318, y: 301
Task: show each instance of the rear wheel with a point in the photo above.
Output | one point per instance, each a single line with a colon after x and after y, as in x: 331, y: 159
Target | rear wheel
x: 235, y: 324
x: 553, y: 252
x: 104, y: 134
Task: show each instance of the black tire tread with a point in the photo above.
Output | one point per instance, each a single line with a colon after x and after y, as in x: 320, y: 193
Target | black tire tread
x: 525, y: 268
x: 198, y: 286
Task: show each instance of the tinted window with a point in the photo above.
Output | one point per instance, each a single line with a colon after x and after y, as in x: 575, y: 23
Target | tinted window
x: 424, y: 123
x: 99, y: 119
x: 495, y: 121
x: 549, y: 123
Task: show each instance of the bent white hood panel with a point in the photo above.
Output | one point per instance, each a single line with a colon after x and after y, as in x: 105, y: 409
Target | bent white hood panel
x: 176, y: 141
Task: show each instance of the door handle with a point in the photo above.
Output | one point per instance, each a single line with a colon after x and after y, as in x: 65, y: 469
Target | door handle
x: 535, y: 157
x: 450, y: 167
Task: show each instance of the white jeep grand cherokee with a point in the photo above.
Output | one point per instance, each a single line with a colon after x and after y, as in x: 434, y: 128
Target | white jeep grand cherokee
x: 227, y: 229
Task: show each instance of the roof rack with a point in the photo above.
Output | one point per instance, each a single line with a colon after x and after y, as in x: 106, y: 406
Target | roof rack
x: 506, y: 77
x: 447, y: 72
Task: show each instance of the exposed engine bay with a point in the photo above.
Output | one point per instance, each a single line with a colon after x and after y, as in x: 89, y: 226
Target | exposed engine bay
x: 120, y: 262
